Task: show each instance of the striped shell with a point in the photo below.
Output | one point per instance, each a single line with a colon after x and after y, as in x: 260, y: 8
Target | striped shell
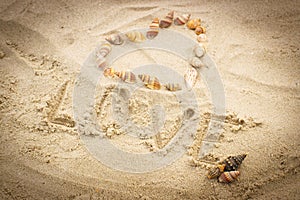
x: 181, y: 20
x: 233, y: 162
x: 200, y: 29
x: 190, y: 77
x: 199, y: 50
x: 228, y: 177
x: 145, y: 78
x: 153, y: 29
x: 202, y: 37
x: 115, y: 39
x: 196, y: 62
x: 167, y: 21
x: 100, y: 61
x: 215, y: 171
x: 154, y: 84
x: 173, y: 86
x: 193, y: 23
x: 135, y: 36
x: 109, y: 72
x: 103, y: 50
x: 126, y: 76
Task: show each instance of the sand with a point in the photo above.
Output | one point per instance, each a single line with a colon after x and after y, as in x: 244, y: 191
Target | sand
x: 255, y: 46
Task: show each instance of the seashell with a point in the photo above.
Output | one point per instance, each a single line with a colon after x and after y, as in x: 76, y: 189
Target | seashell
x: 167, y: 21
x: 173, y: 86
x: 190, y: 77
x: 196, y: 62
x: 154, y: 84
x: 100, y: 61
x: 115, y: 39
x: 181, y: 20
x: 233, y: 162
x: 200, y: 29
x: 154, y: 27
x: 228, y: 177
x: 126, y: 76
x: 199, y: 50
x: 145, y: 78
x: 135, y: 36
x: 215, y: 171
x: 193, y: 23
x: 109, y: 72
x: 202, y: 37
x: 103, y: 50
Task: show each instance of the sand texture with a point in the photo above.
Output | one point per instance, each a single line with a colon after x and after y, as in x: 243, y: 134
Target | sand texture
x: 255, y: 46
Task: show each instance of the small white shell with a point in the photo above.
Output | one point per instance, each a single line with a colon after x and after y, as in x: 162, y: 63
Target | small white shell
x: 190, y: 77
x: 196, y: 62
x: 202, y: 37
x: 199, y: 50
x: 100, y: 61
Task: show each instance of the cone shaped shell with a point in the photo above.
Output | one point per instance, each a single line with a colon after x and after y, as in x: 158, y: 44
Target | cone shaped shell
x: 190, y: 77
x: 100, y: 61
x: 153, y: 29
x: 145, y: 78
x: 228, y: 177
x: 115, y: 39
x: 173, y: 86
x: 103, y: 50
x: 193, y: 23
x: 181, y: 20
x: 167, y: 21
x: 233, y: 162
x: 126, y: 76
x: 135, y: 36
x: 154, y: 84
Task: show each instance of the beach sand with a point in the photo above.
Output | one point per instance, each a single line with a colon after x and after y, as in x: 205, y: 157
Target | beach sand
x: 255, y: 46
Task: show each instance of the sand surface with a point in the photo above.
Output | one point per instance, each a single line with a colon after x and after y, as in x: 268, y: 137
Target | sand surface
x: 255, y: 46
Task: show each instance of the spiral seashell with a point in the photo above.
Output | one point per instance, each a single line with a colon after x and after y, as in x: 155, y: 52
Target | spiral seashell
x: 145, y: 78
x: 154, y: 27
x: 190, y: 77
x: 126, y: 76
x: 181, y: 20
x: 173, y: 87
x: 167, y: 21
x: 215, y: 171
x: 101, y: 61
x: 193, y: 23
x: 135, y: 36
x: 199, y: 50
x: 109, y: 72
x: 103, y: 50
x: 233, y: 162
x: 154, y: 84
x: 202, y: 37
x: 200, y: 29
x: 196, y: 62
x: 228, y: 177
x: 115, y: 39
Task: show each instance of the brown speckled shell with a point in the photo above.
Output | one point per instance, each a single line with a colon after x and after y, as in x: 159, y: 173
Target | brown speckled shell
x: 215, y: 171
x: 233, y: 162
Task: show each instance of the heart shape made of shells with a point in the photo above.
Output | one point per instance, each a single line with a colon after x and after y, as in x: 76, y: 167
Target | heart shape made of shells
x: 153, y: 83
